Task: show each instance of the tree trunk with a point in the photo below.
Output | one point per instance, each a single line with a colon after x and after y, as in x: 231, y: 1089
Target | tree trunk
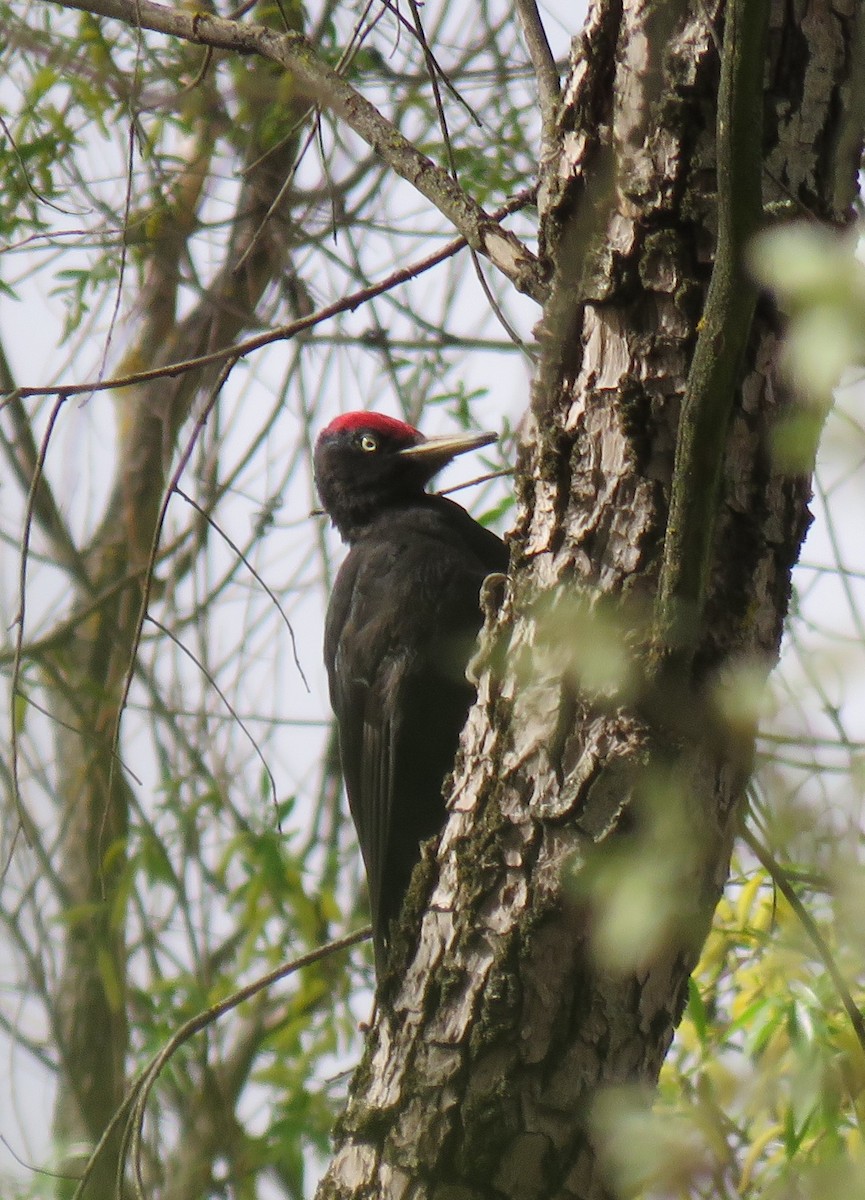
x: 601, y: 775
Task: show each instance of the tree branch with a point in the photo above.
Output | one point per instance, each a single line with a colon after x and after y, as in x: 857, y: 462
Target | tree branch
x: 322, y: 85
x: 723, y: 334
x: 279, y: 333
x: 546, y: 73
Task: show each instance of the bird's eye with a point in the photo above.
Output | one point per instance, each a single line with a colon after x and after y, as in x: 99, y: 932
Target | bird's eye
x: 368, y: 443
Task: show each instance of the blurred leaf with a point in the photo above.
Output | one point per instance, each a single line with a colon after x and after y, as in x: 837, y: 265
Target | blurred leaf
x: 821, y: 284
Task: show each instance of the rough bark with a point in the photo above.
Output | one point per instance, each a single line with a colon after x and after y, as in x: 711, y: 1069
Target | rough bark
x: 501, y: 1023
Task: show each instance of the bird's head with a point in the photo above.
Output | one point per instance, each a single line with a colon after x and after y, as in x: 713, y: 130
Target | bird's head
x: 366, y: 462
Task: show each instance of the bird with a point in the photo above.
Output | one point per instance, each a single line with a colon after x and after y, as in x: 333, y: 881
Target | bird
x: 401, y: 626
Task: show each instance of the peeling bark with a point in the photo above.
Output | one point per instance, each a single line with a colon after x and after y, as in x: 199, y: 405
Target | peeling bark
x: 501, y: 1022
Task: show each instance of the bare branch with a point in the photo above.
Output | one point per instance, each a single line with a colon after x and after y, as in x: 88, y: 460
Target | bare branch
x: 546, y: 73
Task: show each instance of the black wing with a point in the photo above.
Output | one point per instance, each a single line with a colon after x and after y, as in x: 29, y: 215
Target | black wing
x: 369, y: 719
x: 398, y: 687
x: 364, y: 694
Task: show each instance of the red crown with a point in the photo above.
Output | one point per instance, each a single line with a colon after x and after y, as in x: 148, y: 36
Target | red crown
x: 400, y: 431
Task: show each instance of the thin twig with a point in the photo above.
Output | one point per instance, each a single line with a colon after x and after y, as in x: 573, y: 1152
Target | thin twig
x: 321, y: 84
x: 237, y: 550
x: 281, y: 332
x: 127, y: 200
x: 208, y: 675
x: 132, y: 1106
x: 147, y: 583
x: 782, y: 883
x: 19, y: 620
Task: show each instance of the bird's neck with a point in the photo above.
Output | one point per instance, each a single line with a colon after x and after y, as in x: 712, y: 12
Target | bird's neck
x: 359, y: 514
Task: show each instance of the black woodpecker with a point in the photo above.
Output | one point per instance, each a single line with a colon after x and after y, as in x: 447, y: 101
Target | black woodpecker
x: 401, y: 626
